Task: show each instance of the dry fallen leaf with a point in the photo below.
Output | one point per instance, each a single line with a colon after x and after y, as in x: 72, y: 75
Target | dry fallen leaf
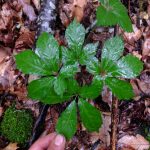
x: 28, y: 9
x: 7, y: 16
x: 146, y: 47
x: 137, y: 142
x: 71, y: 10
x: 134, y: 36
x: 36, y: 4
x: 25, y: 40
x: 8, y: 76
x: 11, y: 146
x: 4, y: 52
x: 107, y: 96
x: 136, y: 89
x: 143, y: 84
x: 78, y: 11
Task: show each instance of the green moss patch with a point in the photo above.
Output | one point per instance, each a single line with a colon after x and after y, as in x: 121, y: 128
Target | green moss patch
x: 16, y: 125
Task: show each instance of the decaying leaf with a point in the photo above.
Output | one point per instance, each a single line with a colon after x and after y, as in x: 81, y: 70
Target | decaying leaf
x: 136, y: 89
x: 78, y: 11
x: 4, y: 52
x: 11, y: 146
x: 25, y: 40
x: 147, y: 105
x: 146, y: 47
x: 142, y: 85
x: 107, y: 96
x: 134, y: 36
x: 7, y: 16
x: 36, y: 4
x: 71, y: 10
x: 28, y: 9
x: 137, y: 142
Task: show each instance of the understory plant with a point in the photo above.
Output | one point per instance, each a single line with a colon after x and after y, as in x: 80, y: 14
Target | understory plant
x: 61, y: 71
x: 16, y: 125
x: 113, y: 12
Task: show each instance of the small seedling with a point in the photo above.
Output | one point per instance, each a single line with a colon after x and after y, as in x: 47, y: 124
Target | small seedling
x: 16, y: 125
x: 58, y: 68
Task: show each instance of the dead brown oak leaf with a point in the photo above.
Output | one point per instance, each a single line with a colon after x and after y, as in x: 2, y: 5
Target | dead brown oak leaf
x: 7, y: 17
x: 28, y: 9
x: 72, y: 10
x: 11, y: 146
x: 8, y: 20
x: 137, y: 142
x: 36, y: 4
x: 146, y: 45
x: 25, y: 39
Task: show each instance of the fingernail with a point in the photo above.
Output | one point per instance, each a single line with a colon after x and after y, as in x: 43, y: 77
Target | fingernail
x: 59, y: 140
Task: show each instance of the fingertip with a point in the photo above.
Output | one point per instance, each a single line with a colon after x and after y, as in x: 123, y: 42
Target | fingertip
x: 58, y: 143
x: 59, y: 139
x: 43, y: 142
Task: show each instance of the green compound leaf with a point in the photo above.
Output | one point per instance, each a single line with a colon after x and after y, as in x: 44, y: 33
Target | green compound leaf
x: 113, y: 49
x: 42, y: 89
x: 69, y: 57
x: 113, y: 12
x: 111, y: 52
x: 53, y: 98
x: 75, y: 34
x: 47, y: 48
x: 93, y: 90
x: 121, y: 89
x: 67, y: 123
x: 60, y: 85
x: 90, y: 116
x: 88, y: 53
x: 37, y: 88
x: 73, y: 86
x: 129, y: 66
x: 69, y: 70
x: 93, y: 66
x: 29, y: 63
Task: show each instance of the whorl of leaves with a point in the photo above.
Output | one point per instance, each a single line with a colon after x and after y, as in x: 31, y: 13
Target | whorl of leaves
x: 57, y: 66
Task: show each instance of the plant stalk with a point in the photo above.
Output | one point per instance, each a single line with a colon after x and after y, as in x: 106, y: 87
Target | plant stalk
x: 114, y: 123
x: 114, y: 111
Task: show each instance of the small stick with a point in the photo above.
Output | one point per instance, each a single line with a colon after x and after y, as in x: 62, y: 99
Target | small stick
x: 38, y: 127
x: 114, y: 123
x: 114, y: 111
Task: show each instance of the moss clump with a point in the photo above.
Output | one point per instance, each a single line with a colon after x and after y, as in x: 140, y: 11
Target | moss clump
x: 16, y: 125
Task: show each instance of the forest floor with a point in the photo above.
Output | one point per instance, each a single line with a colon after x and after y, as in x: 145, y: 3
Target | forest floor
x: 17, y: 33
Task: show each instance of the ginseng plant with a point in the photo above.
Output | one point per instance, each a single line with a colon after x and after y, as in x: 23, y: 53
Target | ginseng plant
x: 61, y: 69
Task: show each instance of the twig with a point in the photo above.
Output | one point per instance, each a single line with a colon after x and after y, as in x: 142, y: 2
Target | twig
x: 96, y: 144
x: 114, y: 123
x: 114, y: 112
x: 38, y: 127
x: 89, y: 30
